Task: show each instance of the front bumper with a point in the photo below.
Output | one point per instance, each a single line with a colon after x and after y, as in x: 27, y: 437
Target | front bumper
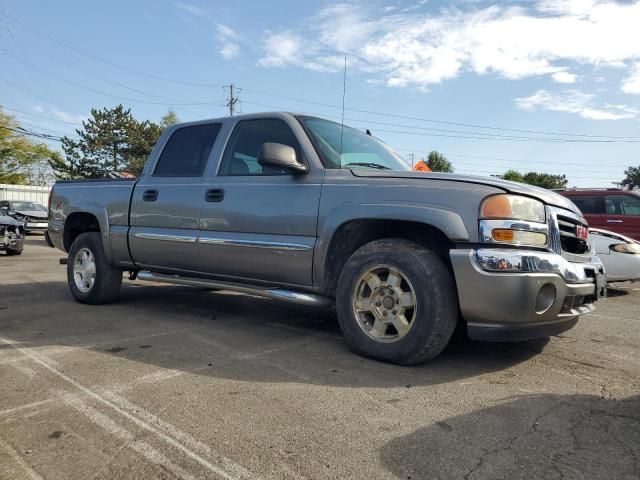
x: 11, y: 241
x: 509, y: 294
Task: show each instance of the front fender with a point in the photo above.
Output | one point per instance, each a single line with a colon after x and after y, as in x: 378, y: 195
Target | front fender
x: 447, y: 221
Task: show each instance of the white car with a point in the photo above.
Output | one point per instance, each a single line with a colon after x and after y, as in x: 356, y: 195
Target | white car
x: 619, y: 254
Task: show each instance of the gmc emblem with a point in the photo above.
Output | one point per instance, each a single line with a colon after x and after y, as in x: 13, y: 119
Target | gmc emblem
x: 582, y: 232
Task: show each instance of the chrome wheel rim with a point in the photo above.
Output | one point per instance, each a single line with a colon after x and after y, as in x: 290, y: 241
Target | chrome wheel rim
x: 384, y: 303
x: 84, y: 270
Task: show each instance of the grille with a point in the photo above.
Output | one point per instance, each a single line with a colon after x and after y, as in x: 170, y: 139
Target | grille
x: 569, y: 240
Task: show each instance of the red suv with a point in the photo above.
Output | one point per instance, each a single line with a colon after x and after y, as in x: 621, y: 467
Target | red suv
x: 615, y: 210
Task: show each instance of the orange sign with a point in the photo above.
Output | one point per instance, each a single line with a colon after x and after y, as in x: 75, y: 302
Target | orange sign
x: 421, y: 167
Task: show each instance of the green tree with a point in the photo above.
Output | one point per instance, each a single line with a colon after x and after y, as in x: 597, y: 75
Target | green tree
x: 169, y: 118
x: 110, y: 142
x: 102, y: 148
x: 437, y: 162
x: 544, y: 180
x: 513, y: 175
x: 632, y: 178
x: 19, y: 155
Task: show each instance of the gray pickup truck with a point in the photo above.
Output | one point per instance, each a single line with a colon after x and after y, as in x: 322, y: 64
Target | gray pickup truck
x: 301, y: 209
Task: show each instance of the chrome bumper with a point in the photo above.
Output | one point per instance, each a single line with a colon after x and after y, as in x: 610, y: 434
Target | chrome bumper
x: 507, y: 294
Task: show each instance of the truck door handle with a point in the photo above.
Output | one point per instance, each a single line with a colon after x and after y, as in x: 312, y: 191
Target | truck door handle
x: 150, y: 195
x: 614, y: 221
x: 214, y: 195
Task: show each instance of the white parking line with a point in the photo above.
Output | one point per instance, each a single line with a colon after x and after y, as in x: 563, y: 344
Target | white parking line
x: 143, y: 448
x: 220, y: 471
x: 20, y: 461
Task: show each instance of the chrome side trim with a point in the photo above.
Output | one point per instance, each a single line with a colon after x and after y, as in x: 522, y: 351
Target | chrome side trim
x: 225, y: 242
x: 299, y: 298
x: 510, y: 261
x: 165, y: 237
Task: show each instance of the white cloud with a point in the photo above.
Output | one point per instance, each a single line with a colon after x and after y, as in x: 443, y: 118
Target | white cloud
x: 68, y: 116
x: 281, y: 49
x: 564, y: 77
x: 631, y: 84
x: 421, y: 49
x: 576, y: 102
x: 227, y: 38
x: 192, y: 9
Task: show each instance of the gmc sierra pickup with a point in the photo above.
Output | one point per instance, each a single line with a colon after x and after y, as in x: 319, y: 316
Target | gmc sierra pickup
x: 301, y: 209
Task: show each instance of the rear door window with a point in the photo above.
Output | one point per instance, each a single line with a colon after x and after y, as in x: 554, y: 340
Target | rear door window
x: 588, y: 204
x: 187, y: 151
x: 622, y: 205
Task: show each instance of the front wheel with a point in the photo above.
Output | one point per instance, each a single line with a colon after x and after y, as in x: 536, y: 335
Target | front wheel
x: 91, y: 278
x: 397, y: 302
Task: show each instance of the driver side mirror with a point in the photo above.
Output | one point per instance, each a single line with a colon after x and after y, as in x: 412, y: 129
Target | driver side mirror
x: 280, y: 156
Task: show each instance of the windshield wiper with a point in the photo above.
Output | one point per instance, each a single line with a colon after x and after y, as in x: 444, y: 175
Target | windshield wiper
x: 366, y: 164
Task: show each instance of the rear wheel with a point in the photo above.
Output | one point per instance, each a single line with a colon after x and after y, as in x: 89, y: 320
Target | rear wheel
x: 90, y: 277
x: 397, y: 302
x: 11, y: 251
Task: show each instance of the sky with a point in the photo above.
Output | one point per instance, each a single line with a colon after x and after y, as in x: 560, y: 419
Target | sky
x: 550, y: 86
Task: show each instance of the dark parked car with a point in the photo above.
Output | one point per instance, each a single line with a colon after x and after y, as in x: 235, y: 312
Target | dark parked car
x: 609, y: 209
x: 11, y: 234
x: 32, y: 214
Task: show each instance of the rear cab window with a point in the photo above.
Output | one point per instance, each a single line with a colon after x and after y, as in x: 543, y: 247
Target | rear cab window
x: 187, y: 151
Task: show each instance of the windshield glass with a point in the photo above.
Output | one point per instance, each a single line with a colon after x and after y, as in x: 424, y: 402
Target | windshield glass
x: 28, y: 206
x: 359, y: 150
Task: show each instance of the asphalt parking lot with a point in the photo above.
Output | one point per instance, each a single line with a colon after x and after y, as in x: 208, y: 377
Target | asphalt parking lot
x: 173, y: 382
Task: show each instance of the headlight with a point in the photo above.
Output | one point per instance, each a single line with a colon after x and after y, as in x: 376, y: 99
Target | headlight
x: 631, y: 248
x: 512, y: 207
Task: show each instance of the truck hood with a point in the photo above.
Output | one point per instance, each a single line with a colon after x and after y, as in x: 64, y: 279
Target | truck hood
x: 546, y: 196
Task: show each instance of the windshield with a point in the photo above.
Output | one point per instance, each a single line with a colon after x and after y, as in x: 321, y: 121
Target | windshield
x: 28, y: 206
x: 350, y: 148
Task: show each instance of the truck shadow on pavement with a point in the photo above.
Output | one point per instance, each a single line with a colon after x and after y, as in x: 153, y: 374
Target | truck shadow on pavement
x: 231, y: 336
x: 537, y: 436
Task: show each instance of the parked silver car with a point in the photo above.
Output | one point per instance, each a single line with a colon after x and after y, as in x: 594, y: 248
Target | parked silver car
x: 619, y: 254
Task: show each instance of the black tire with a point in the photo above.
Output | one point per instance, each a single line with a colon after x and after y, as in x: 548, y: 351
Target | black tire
x: 108, y: 279
x: 435, y: 293
x: 13, y: 252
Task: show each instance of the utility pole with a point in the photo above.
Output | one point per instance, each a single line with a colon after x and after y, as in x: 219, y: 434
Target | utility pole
x: 412, y: 157
x: 232, y: 101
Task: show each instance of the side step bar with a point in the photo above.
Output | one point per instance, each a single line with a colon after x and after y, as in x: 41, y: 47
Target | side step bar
x: 267, y: 292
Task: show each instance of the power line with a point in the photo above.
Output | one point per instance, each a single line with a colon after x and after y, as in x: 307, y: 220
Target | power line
x: 40, y: 116
x: 465, y: 135
x: 118, y: 97
x: 108, y: 62
x: 430, y: 120
x: 260, y: 92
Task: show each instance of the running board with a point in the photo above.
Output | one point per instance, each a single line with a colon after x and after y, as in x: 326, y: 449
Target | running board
x: 267, y: 292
